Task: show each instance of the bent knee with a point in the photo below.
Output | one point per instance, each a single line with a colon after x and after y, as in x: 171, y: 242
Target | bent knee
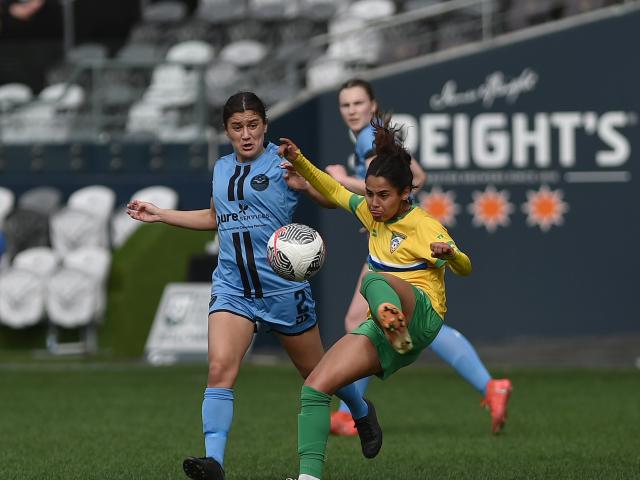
x: 319, y: 381
x: 367, y: 279
x: 351, y: 322
x: 222, y: 374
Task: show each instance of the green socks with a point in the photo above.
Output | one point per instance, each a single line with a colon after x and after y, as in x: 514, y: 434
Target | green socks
x: 313, y: 430
x: 376, y: 290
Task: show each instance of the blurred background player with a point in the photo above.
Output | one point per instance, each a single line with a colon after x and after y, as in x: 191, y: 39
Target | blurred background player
x: 404, y: 290
x: 251, y: 198
x: 358, y: 106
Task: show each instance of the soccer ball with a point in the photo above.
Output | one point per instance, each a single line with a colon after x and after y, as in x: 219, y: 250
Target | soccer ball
x: 296, y: 252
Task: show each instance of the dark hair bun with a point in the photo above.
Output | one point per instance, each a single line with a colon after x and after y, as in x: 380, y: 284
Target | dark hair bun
x: 388, y: 138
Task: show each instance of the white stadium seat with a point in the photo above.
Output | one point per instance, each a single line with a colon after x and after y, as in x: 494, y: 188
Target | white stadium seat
x: 22, y: 287
x: 63, y: 96
x: 221, y: 80
x: 95, y: 199
x: 71, y: 229
x: 326, y: 72
x: 13, y: 95
x: 372, y: 9
x: 7, y: 201
x: 39, y: 260
x: 193, y: 52
x: 164, y: 12
x: 221, y: 11
x: 244, y: 53
x: 76, y: 294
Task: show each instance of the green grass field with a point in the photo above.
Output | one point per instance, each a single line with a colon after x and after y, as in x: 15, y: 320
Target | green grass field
x: 122, y: 421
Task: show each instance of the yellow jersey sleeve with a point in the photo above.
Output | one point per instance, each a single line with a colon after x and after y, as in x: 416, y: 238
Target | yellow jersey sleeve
x: 333, y: 191
x: 459, y: 263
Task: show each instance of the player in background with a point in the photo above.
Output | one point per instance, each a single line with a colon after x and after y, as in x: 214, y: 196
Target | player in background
x: 358, y: 108
x: 251, y: 198
x: 404, y: 289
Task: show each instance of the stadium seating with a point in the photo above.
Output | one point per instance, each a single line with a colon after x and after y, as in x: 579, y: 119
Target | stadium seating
x: 222, y: 11
x: 84, y: 222
x: 166, y: 12
x: 25, y: 228
x: 7, y: 200
x: 244, y: 53
x: 76, y: 294
x: 13, y: 95
x: 132, y: 102
x: 193, y: 52
x: 45, y: 200
x: 22, y: 293
x: 319, y: 10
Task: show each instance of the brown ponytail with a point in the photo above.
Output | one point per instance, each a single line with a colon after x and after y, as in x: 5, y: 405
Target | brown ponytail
x: 392, y: 161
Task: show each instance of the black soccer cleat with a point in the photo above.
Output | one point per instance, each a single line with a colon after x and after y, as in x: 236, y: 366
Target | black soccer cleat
x: 204, y: 468
x: 369, y: 432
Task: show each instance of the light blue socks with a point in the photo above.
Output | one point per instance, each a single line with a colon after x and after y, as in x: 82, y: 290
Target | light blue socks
x: 452, y: 347
x: 361, y: 385
x: 217, y: 413
x: 351, y: 396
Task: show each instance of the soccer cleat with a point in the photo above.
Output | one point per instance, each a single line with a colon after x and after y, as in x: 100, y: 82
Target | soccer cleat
x: 342, y: 424
x: 495, y: 400
x: 204, y: 468
x: 394, y: 325
x: 370, y: 432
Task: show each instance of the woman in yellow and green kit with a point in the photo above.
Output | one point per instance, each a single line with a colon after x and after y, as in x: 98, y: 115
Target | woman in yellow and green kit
x: 408, y: 253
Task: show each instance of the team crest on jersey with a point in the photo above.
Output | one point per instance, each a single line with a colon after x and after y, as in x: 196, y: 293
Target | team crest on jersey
x: 396, y: 240
x: 260, y: 182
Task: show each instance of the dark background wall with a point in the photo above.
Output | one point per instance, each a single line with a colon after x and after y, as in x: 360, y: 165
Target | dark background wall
x: 577, y: 277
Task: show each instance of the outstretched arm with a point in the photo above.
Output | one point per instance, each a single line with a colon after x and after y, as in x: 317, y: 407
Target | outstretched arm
x: 297, y: 182
x: 458, y: 261
x: 321, y: 181
x: 351, y: 183
x: 193, y: 219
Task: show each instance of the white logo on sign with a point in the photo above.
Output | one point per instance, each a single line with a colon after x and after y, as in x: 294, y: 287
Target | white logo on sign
x: 494, y: 87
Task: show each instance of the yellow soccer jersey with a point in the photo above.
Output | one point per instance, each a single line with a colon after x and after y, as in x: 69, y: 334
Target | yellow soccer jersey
x: 400, y: 247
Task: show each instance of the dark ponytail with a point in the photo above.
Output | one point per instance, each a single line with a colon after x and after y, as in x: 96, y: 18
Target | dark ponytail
x: 391, y: 161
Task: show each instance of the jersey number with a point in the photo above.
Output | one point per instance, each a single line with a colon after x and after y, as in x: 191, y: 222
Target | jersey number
x: 302, y: 311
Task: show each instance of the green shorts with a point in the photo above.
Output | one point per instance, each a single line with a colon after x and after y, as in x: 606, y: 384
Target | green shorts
x: 424, y: 327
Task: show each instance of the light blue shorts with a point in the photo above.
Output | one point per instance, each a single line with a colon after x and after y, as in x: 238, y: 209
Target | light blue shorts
x: 289, y: 314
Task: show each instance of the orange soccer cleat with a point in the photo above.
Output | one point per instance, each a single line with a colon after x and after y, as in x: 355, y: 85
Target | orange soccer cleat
x: 342, y: 424
x: 394, y: 325
x: 496, y: 400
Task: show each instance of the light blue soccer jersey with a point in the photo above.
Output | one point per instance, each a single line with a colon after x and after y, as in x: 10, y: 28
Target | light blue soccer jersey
x: 252, y: 200
x: 364, y: 149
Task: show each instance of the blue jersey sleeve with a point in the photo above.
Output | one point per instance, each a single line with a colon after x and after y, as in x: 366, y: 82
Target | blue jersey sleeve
x: 365, y: 144
x: 364, y: 149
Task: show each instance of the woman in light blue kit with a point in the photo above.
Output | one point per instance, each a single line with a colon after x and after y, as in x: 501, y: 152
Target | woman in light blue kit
x: 252, y: 196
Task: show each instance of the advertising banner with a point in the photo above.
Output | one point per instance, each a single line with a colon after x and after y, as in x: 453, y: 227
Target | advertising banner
x: 531, y: 150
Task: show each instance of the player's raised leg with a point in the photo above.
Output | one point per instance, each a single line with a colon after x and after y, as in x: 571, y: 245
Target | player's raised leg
x: 229, y: 338
x: 391, y: 301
